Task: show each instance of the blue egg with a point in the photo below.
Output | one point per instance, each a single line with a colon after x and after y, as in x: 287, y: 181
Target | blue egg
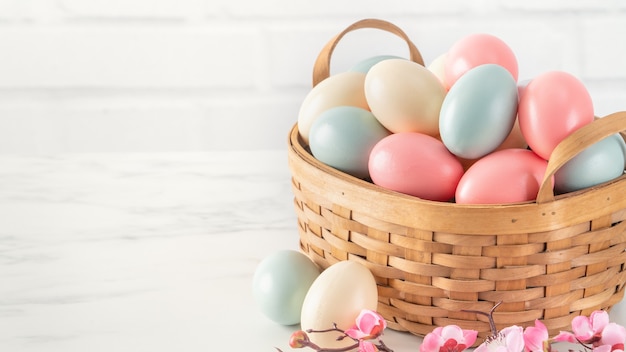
x: 601, y: 162
x: 343, y: 137
x: 365, y: 65
x: 280, y: 283
x: 479, y: 111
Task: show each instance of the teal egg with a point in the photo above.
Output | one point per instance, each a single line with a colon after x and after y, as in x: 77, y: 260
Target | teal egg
x: 365, y: 65
x: 479, y: 111
x: 280, y: 283
x: 343, y: 137
x: 601, y: 162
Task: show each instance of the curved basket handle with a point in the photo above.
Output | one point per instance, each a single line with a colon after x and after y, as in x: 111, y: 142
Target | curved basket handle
x: 321, y: 69
x: 575, y: 143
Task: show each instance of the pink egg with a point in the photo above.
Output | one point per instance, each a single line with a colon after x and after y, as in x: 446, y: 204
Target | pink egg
x: 505, y: 176
x: 415, y: 164
x: 553, y: 105
x: 475, y: 50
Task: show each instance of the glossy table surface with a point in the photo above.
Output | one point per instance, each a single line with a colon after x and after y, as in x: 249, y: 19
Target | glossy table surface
x: 145, y: 252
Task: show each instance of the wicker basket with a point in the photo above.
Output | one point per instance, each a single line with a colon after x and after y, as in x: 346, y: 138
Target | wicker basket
x: 551, y: 259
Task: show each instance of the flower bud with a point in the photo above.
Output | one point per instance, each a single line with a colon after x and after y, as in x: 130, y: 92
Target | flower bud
x: 298, y: 339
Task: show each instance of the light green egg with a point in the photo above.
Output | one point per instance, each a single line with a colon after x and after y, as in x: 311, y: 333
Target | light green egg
x: 599, y: 163
x: 343, y: 137
x: 280, y: 283
x: 479, y: 111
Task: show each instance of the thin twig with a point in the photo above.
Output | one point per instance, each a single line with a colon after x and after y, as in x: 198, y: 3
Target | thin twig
x: 489, y: 315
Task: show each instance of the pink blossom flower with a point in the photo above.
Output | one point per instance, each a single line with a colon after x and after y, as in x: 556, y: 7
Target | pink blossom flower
x: 613, y: 335
x: 536, y: 338
x: 510, y: 339
x: 450, y: 338
x: 366, y: 346
x: 585, y: 329
x: 369, y: 325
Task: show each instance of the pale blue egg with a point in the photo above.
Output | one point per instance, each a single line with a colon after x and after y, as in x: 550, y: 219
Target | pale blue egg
x: 280, y: 284
x: 479, y: 111
x: 343, y: 137
x: 601, y: 162
x: 365, y: 65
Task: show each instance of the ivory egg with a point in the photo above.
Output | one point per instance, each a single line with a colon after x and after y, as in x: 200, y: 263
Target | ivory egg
x: 337, y: 296
x: 404, y: 96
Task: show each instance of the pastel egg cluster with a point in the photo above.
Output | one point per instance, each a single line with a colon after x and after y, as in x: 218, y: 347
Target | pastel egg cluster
x: 463, y: 129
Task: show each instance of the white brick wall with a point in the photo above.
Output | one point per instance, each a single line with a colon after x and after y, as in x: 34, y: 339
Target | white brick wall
x: 173, y: 75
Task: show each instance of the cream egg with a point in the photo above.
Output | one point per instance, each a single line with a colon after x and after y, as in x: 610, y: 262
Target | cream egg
x: 337, y: 296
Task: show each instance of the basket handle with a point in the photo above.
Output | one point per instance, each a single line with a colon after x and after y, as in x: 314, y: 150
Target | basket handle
x: 321, y: 69
x: 575, y: 143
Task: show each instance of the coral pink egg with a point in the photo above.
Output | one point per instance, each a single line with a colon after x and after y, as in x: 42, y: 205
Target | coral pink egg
x: 506, y: 176
x: 475, y: 50
x: 553, y: 105
x: 415, y: 164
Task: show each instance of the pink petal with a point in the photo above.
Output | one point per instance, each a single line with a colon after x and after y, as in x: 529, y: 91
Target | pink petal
x: 514, y: 338
x: 483, y: 347
x: 469, y: 336
x: 582, y: 328
x: 534, y: 336
x: 603, y: 348
x: 565, y: 336
x: 613, y: 334
x: 452, y: 332
x: 370, y: 322
x: 432, y: 341
x: 599, y: 319
x: 355, y: 333
x: 366, y: 346
x: 367, y: 323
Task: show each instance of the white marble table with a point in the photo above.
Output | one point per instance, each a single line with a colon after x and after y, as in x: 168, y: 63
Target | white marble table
x: 144, y: 252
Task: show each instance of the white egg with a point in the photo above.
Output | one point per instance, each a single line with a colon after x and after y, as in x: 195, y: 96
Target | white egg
x: 342, y: 89
x: 337, y: 296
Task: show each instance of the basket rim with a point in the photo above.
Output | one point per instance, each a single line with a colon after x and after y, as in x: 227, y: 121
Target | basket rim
x: 513, y: 218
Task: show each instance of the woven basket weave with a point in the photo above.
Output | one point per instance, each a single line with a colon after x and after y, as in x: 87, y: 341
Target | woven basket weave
x: 551, y: 259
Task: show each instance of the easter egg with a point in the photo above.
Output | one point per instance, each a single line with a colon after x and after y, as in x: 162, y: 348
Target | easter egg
x: 505, y: 176
x: 478, y: 49
x: 600, y: 162
x: 280, y: 284
x: 437, y: 67
x: 515, y: 139
x: 415, y: 164
x: 479, y: 111
x: 337, y: 296
x: 342, y: 89
x: 343, y: 137
x: 552, y: 106
x: 404, y: 96
x: 365, y: 65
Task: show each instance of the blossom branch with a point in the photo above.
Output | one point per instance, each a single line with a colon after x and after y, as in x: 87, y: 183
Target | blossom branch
x: 369, y: 326
x: 489, y: 315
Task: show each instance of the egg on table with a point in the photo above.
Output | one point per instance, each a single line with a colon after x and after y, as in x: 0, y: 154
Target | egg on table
x: 337, y: 297
x: 280, y: 283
